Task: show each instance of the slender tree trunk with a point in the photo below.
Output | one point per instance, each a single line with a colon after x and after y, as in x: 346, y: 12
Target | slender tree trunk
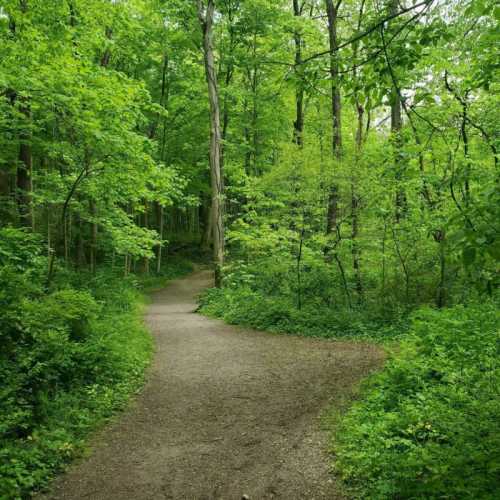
x: 356, y: 253
x: 225, y: 118
x: 206, y: 16
x: 164, y: 98
x: 404, y: 265
x: 227, y: 81
x: 384, y: 265
x: 396, y: 126
x: 440, y: 238
x: 160, y: 225
x: 299, y: 265
x: 298, y: 124
x: 206, y: 218
x: 355, y: 249
x: 332, y: 226
x: 146, y: 225
x: 255, y: 111
x: 4, y: 183
x: 465, y: 139
x: 106, y: 57
x: 49, y: 235
x: 24, y: 181
x: 333, y: 197
x: 80, y: 245
x: 93, y: 237
x: 246, y: 136
x: 67, y: 224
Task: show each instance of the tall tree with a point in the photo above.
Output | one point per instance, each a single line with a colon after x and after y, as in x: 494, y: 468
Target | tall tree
x: 298, y: 124
x: 206, y: 18
x: 396, y: 126
x: 332, y: 10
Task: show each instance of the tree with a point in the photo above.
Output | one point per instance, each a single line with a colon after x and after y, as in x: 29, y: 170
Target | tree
x: 206, y: 17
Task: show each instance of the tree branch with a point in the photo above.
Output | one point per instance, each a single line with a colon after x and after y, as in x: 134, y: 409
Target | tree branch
x: 369, y: 30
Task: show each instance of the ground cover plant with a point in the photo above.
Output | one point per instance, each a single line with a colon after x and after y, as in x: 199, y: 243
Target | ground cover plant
x: 337, y: 159
x: 71, y: 357
x: 427, y: 426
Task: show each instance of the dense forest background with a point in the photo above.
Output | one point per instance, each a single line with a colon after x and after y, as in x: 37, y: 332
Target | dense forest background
x: 337, y: 158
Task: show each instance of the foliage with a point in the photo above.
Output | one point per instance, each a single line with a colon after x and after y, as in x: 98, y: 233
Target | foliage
x: 267, y: 300
x: 427, y: 425
x: 360, y: 184
x: 70, y: 358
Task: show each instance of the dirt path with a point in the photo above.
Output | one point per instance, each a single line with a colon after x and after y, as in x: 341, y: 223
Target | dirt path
x: 226, y: 412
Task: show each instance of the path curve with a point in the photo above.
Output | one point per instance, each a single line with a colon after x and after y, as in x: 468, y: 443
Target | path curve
x: 226, y: 412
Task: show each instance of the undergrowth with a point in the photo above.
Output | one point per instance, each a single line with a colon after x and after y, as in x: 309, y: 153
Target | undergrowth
x: 71, y: 357
x: 245, y: 306
x: 428, y: 425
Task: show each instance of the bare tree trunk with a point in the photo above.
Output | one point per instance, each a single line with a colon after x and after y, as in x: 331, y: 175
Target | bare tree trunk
x: 67, y: 224
x: 164, y: 97
x: 80, y: 245
x: 332, y: 226
x: 355, y: 250
x: 206, y: 16
x: 356, y: 253
x: 160, y: 225
x: 206, y: 217
x: 332, y: 14
x: 396, y: 126
x: 227, y: 81
x: 93, y: 237
x: 246, y: 136
x: 146, y: 225
x: 298, y: 124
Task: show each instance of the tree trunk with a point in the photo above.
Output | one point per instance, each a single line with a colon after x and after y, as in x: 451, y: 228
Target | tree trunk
x: 356, y: 253
x: 4, y: 183
x: 80, y: 245
x: 24, y: 182
x: 160, y: 225
x: 145, y: 261
x: 332, y: 14
x: 206, y: 15
x: 359, y: 139
x: 164, y: 98
x: 227, y: 81
x: 298, y: 124
x: 396, y: 126
x: 106, y: 57
x: 206, y: 218
x: 93, y: 237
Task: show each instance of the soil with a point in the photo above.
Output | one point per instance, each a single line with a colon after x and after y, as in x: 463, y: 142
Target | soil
x: 226, y: 413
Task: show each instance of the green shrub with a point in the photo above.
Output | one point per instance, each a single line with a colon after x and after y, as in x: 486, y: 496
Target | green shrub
x: 428, y: 425
x: 242, y: 304
x: 71, y: 356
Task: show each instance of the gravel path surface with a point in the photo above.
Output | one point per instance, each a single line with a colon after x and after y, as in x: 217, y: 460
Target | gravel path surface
x: 226, y: 412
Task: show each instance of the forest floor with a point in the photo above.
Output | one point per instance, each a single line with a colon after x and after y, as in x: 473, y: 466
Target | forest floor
x: 225, y: 412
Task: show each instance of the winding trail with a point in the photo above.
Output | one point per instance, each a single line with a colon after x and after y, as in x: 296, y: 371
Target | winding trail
x: 226, y: 412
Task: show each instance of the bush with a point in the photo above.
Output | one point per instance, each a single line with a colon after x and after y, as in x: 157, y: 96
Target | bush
x: 70, y: 357
x: 244, y: 305
x: 428, y: 425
